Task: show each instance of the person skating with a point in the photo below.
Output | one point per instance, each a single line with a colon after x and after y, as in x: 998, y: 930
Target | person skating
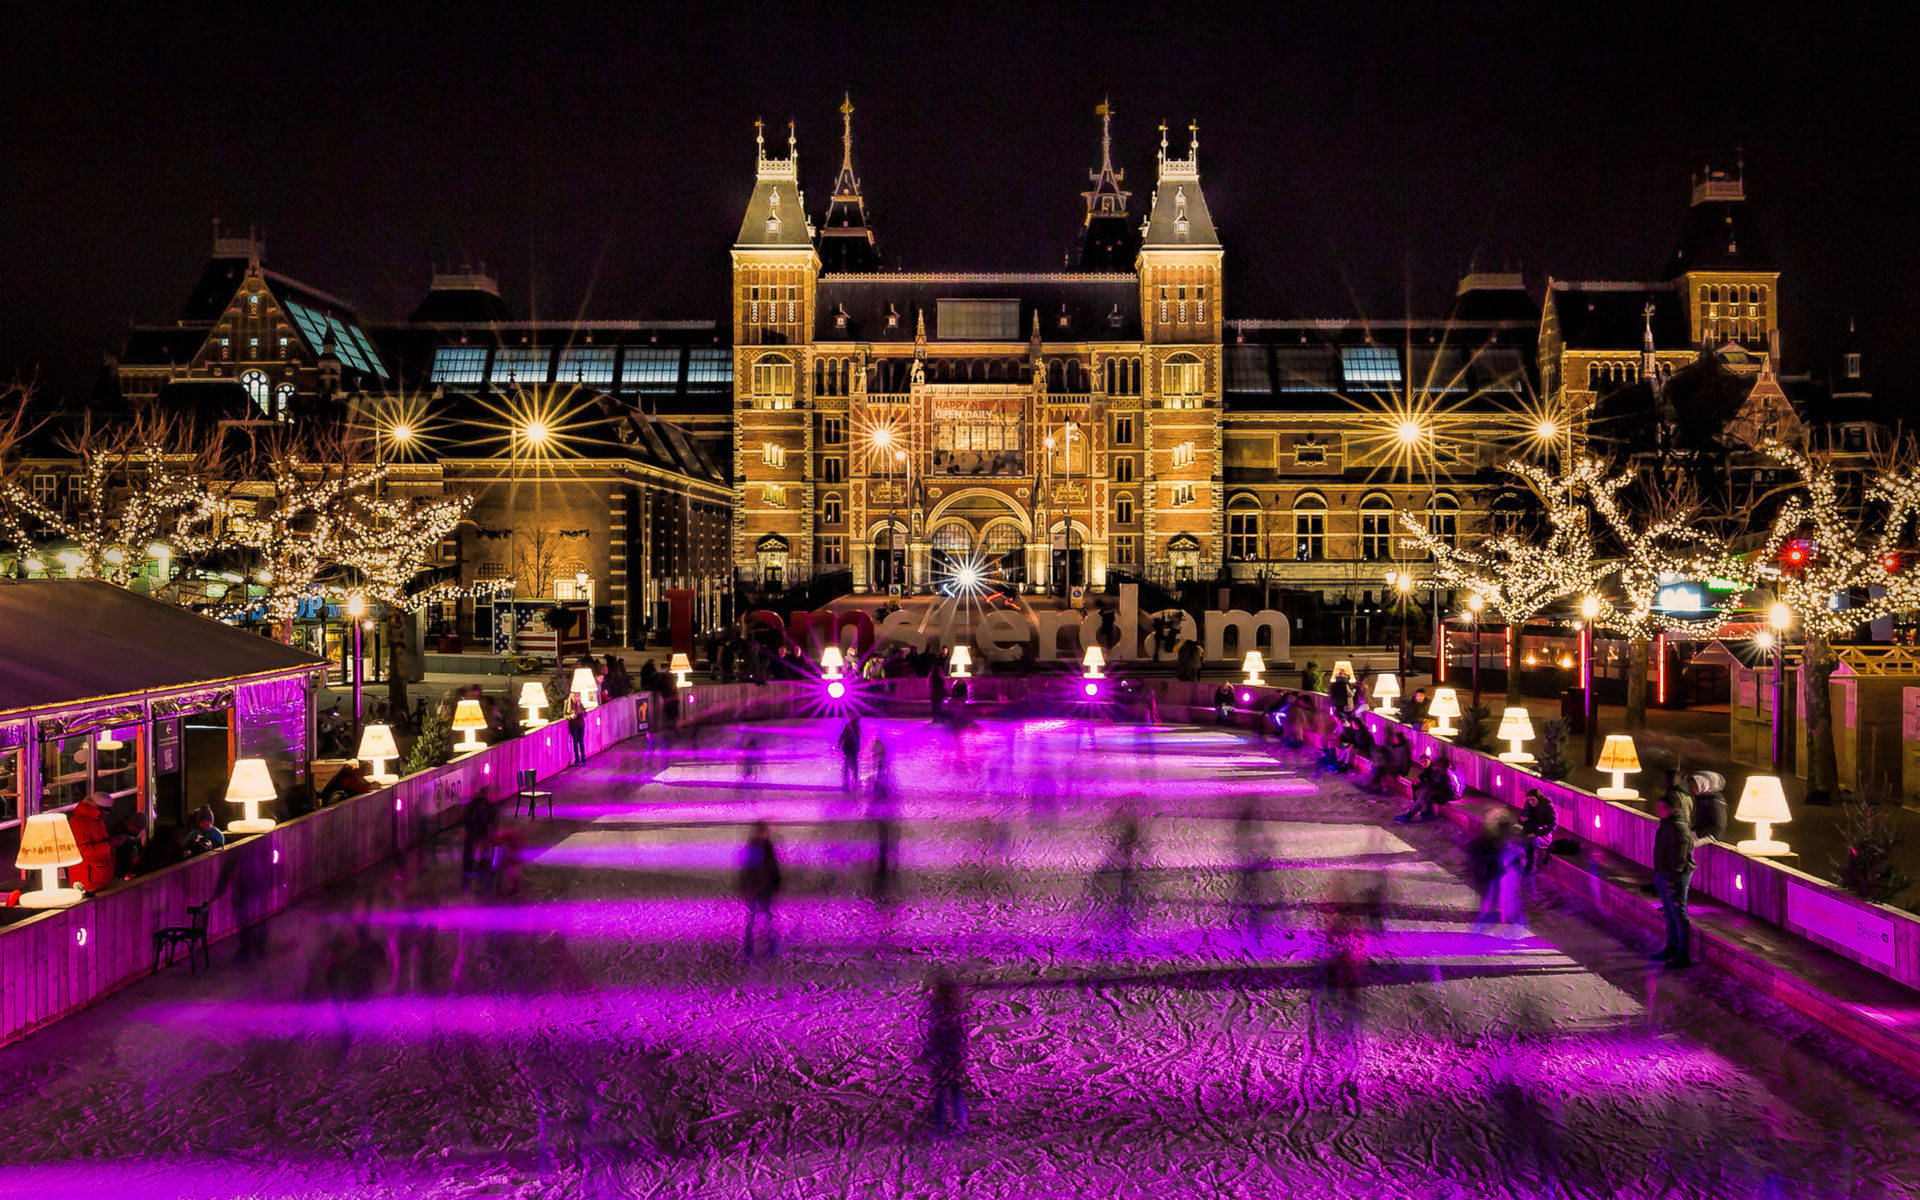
x: 945, y: 1053
x: 577, y: 726
x: 759, y: 885
x: 850, y: 754
x: 476, y: 847
x: 1672, y: 875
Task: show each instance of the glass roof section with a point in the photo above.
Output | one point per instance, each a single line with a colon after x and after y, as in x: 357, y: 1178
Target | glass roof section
x: 709, y: 365
x: 350, y: 344
x: 1370, y: 365
x: 1306, y: 369
x: 586, y: 364
x: 651, y: 369
x: 1247, y: 369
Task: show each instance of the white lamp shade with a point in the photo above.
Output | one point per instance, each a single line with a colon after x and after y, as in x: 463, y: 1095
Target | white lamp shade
x: 832, y: 662
x: 1763, y: 799
x: 466, y: 715
x: 1386, y: 686
x: 1094, y: 659
x: 106, y: 740
x: 1618, y: 755
x: 1255, y: 663
x: 961, y: 657
x: 47, y: 841
x: 376, y: 742
x: 1516, y: 725
x: 583, y: 682
x: 1343, y: 667
x: 251, y: 782
x: 1445, y: 704
x: 680, y: 665
x: 533, y: 695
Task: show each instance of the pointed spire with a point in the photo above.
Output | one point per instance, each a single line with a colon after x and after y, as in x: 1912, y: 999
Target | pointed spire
x: 1105, y: 112
x: 846, y: 134
x: 846, y: 243
x: 1107, y: 238
x: 1649, y: 361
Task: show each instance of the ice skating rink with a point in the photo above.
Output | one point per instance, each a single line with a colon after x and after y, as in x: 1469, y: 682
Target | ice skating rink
x: 1188, y: 968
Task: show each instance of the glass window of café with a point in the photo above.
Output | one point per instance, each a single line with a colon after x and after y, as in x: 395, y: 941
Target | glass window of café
x: 103, y: 760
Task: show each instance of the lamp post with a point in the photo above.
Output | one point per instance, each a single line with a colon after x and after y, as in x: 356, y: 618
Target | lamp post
x: 356, y: 609
x: 583, y: 585
x: 882, y: 440
x: 1402, y: 583
x: 1589, y: 612
x: 1475, y: 603
x: 1065, y: 444
x: 1780, y: 619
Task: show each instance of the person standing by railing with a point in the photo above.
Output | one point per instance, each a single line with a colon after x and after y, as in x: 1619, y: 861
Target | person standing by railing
x: 1672, y: 875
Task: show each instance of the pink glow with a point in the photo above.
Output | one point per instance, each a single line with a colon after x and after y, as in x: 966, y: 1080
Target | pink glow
x: 1739, y: 883
x: 836, y: 689
x: 80, y: 936
x: 276, y: 856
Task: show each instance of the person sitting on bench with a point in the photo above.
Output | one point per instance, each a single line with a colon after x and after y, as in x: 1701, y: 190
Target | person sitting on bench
x: 1434, y: 788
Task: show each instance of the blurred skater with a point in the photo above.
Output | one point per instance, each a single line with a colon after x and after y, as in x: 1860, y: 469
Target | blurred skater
x: 1337, y: 1027
x: 850, y: 754
x: 476, y: 842
x: 759, y: 885
x: 945, y: 1052
x: 1497, y: 858
x: 1249, y: 885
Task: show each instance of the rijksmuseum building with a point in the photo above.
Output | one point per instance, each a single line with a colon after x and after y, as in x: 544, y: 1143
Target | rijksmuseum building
x: 847, y: 428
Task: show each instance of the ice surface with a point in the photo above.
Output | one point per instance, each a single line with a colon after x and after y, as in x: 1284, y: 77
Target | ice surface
x: 1173, y: 1030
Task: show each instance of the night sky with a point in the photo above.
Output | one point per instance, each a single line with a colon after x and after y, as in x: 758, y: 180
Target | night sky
x: 598, y: 160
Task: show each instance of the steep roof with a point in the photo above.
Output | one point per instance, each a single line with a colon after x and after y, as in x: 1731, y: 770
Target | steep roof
x: 66, y: 640
x: 1613, y: 316
x: 467, y: 297
x: 1179, y: 217
x: 1719, y: 232
x: 776, y: 216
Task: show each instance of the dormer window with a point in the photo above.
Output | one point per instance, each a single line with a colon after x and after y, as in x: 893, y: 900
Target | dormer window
x: 1064, y: 319
x: 1113, y: 318
x: 840, y: 318
x: 1853, y: 366
x: 893, y: 317
x: 1180, y: 211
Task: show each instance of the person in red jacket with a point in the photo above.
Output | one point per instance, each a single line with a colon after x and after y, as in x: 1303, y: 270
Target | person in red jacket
x: 89, y: 822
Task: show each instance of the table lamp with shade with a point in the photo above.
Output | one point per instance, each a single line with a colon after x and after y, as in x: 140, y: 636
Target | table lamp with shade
x: 106, y: 741
x: 1619, y: 759
x: 682, y: 668
x: 960, y: 663
x: 1095, y: 662
x: 1342, y: 667
x: 533, y: 698
x: 1443, y: 708
x: 1763, y: 802
x: 585, y: 686
x: 46, y: 843
x: 1255, y: 665
x: 1516, y: 726
x: 1386, y: 689
x: 250, y: 786
x: 377, y: 747
x: 469, y: 720
x: 833, y: 664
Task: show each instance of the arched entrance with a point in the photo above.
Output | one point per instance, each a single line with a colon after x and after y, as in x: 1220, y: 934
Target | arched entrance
x: 952, y: 545
x: 1005, y: 548
x: 887, y: 543
x: 1069, y: 555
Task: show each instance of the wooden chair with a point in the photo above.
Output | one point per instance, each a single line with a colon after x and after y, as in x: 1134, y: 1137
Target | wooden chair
x: 533, y: 795
x: 191, y: 935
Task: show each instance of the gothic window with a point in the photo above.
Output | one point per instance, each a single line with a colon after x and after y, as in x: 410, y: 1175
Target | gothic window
x: 283, y: 402
x: 1123, y: 510
x: 830, y: 510
x: 257, y: 389
x: 1376, y: 528
x: 1243, y: 529
x: 1310, y: 527
x: 1443, y: 518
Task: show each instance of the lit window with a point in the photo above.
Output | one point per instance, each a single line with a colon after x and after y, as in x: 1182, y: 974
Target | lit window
x: 1182, y: 494
x: 586, y: 364
x: 1370, y: 364
x: 1243, y: 535
x: 1182, y: 380
x: 773, y: 382
x: 258, y: 389
x: 651, y: 369
x: 1183, y: 454
x: 830, y: 510
x: 520, y: 366
x: 1309, y: 528
x: 283, y: 402
x: 773, y: 455
x: 1309, y: 454
x: 773, y: 495
x: 45, y: 487
x: 459, y: 364
x: 1443, y: 518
